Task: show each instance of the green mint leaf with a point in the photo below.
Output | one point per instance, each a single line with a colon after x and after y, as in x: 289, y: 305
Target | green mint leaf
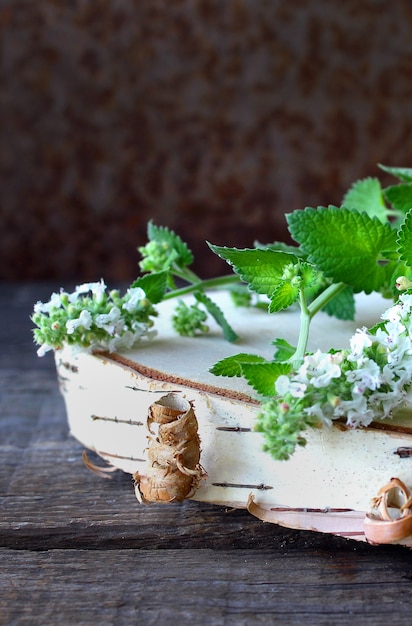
x: 403, y: 173
x: 259, y: 373
x: 284, y: 350
x: 215, y: 311
x: 280, y: 246
x: 405, y: 240
x: 284, y: 296
x: 346, y: 245
x: 154, y: 285
x: 262, y: 376
x: 400, y: 196
x: 342, y: 306
x: 366, y: 195
x: 261, y: 269
x: 163, y: 235
x: 232, y: 365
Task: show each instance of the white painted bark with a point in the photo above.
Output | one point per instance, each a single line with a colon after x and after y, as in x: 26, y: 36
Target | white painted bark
x: 107, y: 402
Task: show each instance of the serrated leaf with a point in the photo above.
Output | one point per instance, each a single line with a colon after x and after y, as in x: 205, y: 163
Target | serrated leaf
x: 261, y: 269
x: 400, y: 196
x: 212, y: 308
x: 284, y: 350
x: 366, y: 195
x: 310, y: 275
x: 162, y: 234
x: 346, y: 245
x: 280, y: 246
x: 154, y: 285
x: 342, y: 306
x: 232, y: 365
x: 262, y: 376
x: 284, y: 296
x: 405, y: 240
x: 403, y: 173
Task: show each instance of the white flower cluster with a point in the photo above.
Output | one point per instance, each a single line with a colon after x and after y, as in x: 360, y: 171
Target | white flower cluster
x: 89, y: 318
x: 364, y: 383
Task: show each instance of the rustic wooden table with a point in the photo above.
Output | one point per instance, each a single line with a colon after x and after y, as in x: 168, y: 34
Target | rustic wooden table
x: 77, y: 549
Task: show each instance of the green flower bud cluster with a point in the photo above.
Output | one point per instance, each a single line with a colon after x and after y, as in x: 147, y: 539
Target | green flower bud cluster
x: 189, y: 321
x: 157, y: 256
x: 282, y: 426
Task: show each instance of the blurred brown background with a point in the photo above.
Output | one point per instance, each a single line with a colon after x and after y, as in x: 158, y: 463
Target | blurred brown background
x: 211, y: 117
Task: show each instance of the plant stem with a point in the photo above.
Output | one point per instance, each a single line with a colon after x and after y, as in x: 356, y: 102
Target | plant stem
x: 326, y: 296
x: 211, y: 283
x: 307, y: 312
x: 303, y: 331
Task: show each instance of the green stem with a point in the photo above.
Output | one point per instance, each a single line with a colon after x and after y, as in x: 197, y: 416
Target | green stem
x: 326, y: 296
x: 303, y: 331
x: 186, y: 274
x: 211, y: 283
x: 307, y: 312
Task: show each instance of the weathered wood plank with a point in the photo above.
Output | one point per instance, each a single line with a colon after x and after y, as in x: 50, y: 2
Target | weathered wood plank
x: 77, y: 549
x: 204, y: 587
x: 50, y: 500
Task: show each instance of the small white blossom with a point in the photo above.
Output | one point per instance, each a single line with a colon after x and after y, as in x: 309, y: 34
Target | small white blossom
x: 97, y: 290
x: 406, y: 300
x: 108, y: 321
x: 366, y: 376
x: 44, y: 348
x: 85, y: 320
x: 45, y: 307
x: 357, y: 411
x: 319, y: 368
x: 393, y: 314
x: 135, y: 295
x: 358, y: 342
x: 285, y: 385
x: 322, y: 412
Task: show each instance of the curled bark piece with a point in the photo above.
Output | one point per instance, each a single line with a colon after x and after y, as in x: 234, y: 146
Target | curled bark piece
x: 390, y: 521
x: 341, y: 522
x: 103, y: 472
x: 173, y: 470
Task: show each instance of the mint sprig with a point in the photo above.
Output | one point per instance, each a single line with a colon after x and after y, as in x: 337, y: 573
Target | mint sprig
x: 165, y: 260
x: 363, y: 245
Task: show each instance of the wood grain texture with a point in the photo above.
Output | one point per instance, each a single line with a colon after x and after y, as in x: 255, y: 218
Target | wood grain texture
x: 78, y: 549
x: 272, y: 585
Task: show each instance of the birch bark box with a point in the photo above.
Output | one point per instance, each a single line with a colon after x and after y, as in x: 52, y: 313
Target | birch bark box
x: 328, y: 486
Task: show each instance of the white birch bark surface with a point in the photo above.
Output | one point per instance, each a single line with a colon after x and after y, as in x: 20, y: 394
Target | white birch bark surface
x: 327, y: 485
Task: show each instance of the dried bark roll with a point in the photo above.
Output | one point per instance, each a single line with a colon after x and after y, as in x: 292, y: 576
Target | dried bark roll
x: 173, y: 469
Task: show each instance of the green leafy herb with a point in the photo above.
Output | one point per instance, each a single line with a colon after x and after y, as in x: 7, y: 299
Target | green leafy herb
x: 364, y: 245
